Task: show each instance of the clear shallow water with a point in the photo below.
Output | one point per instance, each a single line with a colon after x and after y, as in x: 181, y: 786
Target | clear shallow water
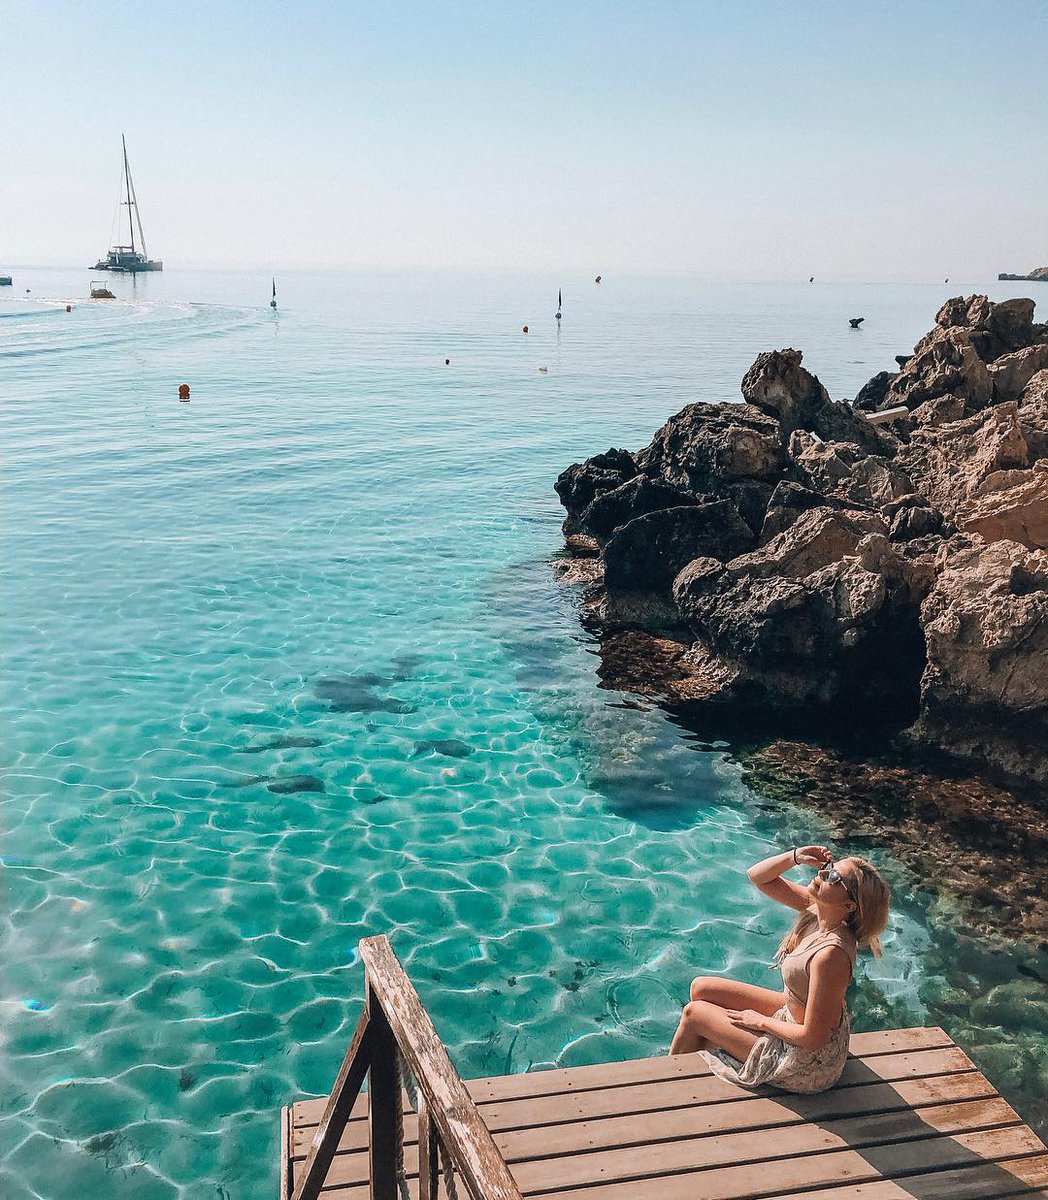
x: 333, y: 563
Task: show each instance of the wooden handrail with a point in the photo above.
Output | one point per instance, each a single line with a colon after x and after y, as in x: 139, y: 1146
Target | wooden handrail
x: 448, y: 1105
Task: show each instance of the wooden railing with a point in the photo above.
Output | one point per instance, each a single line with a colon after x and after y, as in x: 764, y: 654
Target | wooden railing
x: 394, y: 1026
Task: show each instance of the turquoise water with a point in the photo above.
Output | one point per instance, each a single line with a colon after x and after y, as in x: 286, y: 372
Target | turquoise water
x: 330, y: 571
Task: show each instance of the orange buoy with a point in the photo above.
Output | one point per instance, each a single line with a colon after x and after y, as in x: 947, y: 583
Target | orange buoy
x: 525, y: 329
x: 183, y: 392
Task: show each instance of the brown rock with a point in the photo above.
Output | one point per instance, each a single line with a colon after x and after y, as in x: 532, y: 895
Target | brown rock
x: 1016, y: 510
x: 1011, y: 373
x: 847, y: 473
x: 948, y: 463
x: 829, y: 590
x: 706, y: 446
x: 984, y: 691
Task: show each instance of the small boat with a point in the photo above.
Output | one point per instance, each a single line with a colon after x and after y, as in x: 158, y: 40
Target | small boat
x: 99, y: 291
x: 129, y: 260
x: 6, y: 281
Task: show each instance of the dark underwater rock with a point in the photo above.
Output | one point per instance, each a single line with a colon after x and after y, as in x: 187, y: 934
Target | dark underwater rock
x: 282, y: 742
x: 449, y: 747
x: 357, y: 693
x: 296, y: 783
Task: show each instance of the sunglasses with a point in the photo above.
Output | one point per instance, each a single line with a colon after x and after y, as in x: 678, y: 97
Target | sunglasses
x: 832, y: 875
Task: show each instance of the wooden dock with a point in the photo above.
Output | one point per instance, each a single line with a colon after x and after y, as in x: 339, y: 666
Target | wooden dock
x: 911, y: 1118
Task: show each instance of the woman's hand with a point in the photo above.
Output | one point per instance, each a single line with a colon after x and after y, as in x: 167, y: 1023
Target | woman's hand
x: 814, y: 856
x: 746, y: 1018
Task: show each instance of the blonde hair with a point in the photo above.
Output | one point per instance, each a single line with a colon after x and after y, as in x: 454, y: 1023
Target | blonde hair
x: 867, y: 922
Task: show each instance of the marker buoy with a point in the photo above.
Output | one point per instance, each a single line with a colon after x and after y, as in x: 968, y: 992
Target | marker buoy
x: 69, y: 308
x: 183, y: 393
x: 525, y: 329
x: 447, y: 362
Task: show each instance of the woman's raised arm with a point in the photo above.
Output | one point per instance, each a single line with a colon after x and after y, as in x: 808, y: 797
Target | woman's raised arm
x: 767, y: 875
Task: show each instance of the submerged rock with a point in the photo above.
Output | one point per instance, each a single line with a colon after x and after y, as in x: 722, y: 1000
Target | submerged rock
x: 296, y: 783
x: 282, y: 742
x: 357, y: 693
x: 449, y: 747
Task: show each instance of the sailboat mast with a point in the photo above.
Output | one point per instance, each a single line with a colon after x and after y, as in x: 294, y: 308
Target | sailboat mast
x: 127, y: 185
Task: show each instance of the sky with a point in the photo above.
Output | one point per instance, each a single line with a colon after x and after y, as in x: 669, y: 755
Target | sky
x: 735, y: 140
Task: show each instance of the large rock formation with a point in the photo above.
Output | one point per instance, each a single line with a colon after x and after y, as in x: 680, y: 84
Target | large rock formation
x: 814, y: 563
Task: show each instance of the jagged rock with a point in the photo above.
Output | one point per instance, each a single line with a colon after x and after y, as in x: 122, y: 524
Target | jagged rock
x: 995, y: 328
x: 847, y: 473
x: 984, y: 692
x: 873, y: 394
x: 646, y: 553
x: 582, y: 482
x: 787, y: 503
x: 1011, y: 373
x: 777, y: 384
x: 858, y: 530
x: 634, y: 498
x: 1015, y: 509
x: 948, y: 463
x: 944, y: 363
x: 829, y: 590
x: 911, y: 517
x: 953, y: 359
x: 940, y: 411
x: 706, y: 446
x: 1033, y: 415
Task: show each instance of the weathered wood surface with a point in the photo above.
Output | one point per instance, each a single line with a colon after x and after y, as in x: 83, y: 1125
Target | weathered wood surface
x: 454, y: 1113
x: 912, y: 1118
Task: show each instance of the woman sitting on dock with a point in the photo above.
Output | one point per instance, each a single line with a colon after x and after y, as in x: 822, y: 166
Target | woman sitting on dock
x: 796, y: 1039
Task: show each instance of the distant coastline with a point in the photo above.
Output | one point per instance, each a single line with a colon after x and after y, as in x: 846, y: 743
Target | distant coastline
x: 1037, y: 275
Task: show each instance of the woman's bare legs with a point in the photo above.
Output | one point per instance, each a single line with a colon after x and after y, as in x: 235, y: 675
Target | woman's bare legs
x: 704, y: 1024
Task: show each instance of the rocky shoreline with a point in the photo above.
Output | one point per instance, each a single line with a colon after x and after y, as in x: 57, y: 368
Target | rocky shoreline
x: 800, y: 564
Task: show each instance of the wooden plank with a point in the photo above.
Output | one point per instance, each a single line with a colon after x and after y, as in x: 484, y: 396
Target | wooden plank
x: 1021, y: 1178
x: 622, y: 1074
x: 832, y: 1169
x: 709, y: 1090
x: 339, y: 1105
x: 286, y: 1147
x: 557, y: 1128
x: 583, y: 1164
x: 461, y: 1129
x: 976, y: 1179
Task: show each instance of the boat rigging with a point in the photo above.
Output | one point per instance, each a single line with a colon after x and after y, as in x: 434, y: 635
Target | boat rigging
x: 129, y: 260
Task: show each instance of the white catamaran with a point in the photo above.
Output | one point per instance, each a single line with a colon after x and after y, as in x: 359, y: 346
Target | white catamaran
x: 128, y: 260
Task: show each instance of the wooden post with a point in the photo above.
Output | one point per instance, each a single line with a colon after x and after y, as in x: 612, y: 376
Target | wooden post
x: 428, y: 1171
x: 385, y: 1117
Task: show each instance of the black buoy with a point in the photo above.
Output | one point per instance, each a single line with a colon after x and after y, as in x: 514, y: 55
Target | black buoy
x: 855, y: 322
x: 447, y: 362
x: 597, y: 280
x: 812, y: 279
